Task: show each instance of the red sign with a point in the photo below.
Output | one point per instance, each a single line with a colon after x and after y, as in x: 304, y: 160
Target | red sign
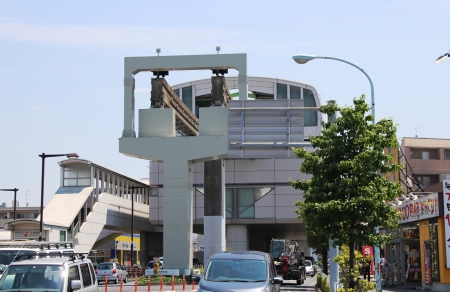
x: 26, y: 233
x: 368, y: 251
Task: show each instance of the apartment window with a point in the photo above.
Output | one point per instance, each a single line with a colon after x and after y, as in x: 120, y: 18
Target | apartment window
x: 447, y: 154
x: 281, y: 91
x: 294, y: 92
x: 153, y: 192
x: 20, y: 216
x: 62, y: 235
x: 310, y: 101
x: 425, y: 155
x: 77, y: 174
x: 186, y: 96
x: 177, y: 92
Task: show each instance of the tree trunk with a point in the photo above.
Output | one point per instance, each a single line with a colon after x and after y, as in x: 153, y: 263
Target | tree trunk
x: 325, y: 261
x: 351, y: 264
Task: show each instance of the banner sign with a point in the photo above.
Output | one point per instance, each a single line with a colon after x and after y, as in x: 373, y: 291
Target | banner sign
x: 126, y: 245
x: 446, y: 188
x: 26, y: 234
x: 423, y: 208
x: 368, y: 251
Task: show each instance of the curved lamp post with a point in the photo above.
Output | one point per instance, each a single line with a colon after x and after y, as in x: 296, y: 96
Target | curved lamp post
x: 442, y: 58
x: 15, y: 195
x: 43, y: 156
x: 302, y: 59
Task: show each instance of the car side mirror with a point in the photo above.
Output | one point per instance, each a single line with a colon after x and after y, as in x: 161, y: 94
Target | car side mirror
x: 75, y: 284
x: 278, y: 280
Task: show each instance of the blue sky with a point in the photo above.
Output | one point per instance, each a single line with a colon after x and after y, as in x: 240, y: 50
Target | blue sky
x: 61, y: 67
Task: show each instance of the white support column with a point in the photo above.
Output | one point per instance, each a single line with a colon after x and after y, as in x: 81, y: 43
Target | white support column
x: 334, y: 268
x: 178, y: 218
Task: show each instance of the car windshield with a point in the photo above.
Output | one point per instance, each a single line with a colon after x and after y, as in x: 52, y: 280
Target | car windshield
x: 8, y: 256
x: 33, y: 278
x: 105, y: 266
x: 308, y: 263
x: 236, y: 270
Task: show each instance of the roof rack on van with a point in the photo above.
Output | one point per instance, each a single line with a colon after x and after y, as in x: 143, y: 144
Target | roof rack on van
x: 43, y: 245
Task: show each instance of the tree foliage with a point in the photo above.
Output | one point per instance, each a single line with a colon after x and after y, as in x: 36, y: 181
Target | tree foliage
x: 345, y: 199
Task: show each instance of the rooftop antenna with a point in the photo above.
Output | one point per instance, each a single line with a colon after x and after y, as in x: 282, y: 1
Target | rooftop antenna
x: 26, y: 198
x: 218, y: 49
x: 416, y: 128
x: 158, y: 50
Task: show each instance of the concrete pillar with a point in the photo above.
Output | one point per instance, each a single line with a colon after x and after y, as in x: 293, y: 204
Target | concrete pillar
x: 144, y: 243
x: 214, y: 207
x: 178, y: 218
x: 237, y: 237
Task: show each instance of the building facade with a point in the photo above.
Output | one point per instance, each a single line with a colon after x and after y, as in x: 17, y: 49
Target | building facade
x: 419, y: 247
x: 260, y: 203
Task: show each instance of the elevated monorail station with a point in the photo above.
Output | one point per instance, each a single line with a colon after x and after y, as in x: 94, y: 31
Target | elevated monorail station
x: 228, y: 180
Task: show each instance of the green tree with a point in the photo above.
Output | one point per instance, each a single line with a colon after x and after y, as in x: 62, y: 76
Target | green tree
x: 345, y: 199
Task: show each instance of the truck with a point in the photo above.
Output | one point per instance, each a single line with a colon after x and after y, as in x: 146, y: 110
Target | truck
x: 289, y: 261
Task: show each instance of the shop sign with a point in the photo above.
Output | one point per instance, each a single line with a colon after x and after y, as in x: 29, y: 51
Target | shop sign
x: 446, y: 188
x: 24, y: 234
x: 126, y: 245
x: 422, y: 208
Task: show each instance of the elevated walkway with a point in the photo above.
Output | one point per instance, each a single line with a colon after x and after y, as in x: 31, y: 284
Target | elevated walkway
x: 69, y: 208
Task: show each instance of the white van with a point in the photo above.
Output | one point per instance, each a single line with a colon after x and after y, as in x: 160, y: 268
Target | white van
x: 56, y: 274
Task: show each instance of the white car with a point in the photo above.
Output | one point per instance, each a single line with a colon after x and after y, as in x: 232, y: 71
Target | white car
x: 50, y: 274
x: 309, y: 268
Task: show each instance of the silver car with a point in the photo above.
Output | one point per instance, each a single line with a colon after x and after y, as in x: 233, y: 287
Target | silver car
x: 240, y: 271
x: 309, y: 268
x: 111, y: 272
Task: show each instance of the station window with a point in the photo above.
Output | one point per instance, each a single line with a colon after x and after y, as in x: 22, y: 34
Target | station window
x: 240, y: 202
x: 77, y: 174
x: 310, y: 116
x: 186, y: 96
x: 294, y: 92
x: 281, y: 91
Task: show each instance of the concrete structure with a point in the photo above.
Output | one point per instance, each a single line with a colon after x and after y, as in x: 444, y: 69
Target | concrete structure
x: 258, y: 164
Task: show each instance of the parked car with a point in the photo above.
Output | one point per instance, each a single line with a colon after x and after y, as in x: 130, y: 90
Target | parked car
x: 309, y: 268
x: 56, y: 274
x: 111, y: 272
x: 240, y: 271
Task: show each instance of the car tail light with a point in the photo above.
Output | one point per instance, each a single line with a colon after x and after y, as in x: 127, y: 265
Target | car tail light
x: 96, y: 271
x: 114, y: 271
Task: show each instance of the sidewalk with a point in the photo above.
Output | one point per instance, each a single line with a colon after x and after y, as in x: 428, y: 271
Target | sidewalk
x: 397, y: 288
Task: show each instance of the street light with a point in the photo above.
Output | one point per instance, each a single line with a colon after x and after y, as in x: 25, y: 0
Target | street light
x: 302, y: 59
x: 442, y: 58
x: 15, y: 195
x: 132, y: 222
x: 43, y: 156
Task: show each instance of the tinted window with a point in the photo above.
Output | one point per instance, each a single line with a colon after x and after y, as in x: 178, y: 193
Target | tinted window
x: 94, y: 278
x: 107, y: 266
x: 74, y: 274
x: 85, y: 275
